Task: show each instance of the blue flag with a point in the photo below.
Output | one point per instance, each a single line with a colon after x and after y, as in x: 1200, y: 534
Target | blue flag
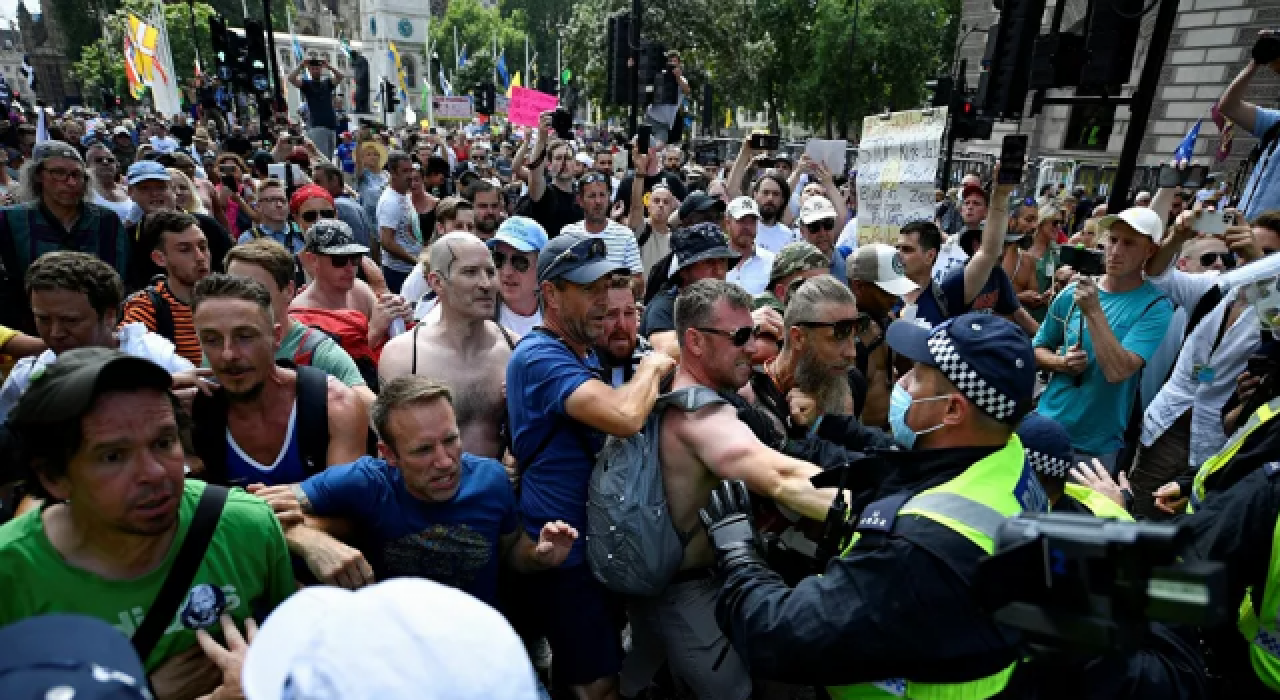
x: 1184, y: 151
x: 462, y: 57
x: 502, y: 70
x: 445, y: 88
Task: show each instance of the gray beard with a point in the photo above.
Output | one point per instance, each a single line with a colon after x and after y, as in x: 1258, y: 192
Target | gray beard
x: 831, y: 393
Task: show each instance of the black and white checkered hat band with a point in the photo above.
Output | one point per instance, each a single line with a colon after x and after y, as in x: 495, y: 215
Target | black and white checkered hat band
x: 1044, y: 464
x: 987, y: 397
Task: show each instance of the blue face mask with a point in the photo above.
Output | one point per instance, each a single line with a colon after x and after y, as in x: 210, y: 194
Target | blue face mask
x: 899, y: 403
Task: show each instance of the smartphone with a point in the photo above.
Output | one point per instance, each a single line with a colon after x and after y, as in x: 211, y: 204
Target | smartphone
x: 643, y: 133
x: 562, y: 122
x: 1213, y: 223
x: 228, y: 181
x: 1266, y: 49
x: 1168, y: 177
x: 1259, y: 365
x: 1013, y: 156
x: 1084, y: 260
x: 1194, y: 176
x: 764, y: 142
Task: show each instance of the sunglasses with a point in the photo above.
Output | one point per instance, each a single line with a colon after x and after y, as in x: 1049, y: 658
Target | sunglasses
x: 1228, y: 259
x: 591, y: 179
x: 738, y: 337
x: 589, y: 249
x: 311, y: 216
x: 520, y: 263
x: 840, y: 330
x: 104, y: 161
x: 341, y: 261
x: 822, y: 224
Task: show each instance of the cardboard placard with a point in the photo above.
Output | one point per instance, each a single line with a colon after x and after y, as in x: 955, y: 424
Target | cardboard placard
x: 527, y: 105
x: 897, y: 171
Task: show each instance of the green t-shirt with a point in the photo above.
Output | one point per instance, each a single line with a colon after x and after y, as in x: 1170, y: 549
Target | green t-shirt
x: 247, y: 565
x: 328, y: 355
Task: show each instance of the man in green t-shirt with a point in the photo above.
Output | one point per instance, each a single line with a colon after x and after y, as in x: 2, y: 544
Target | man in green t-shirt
x: 101, y: 438
x: 270, y: 264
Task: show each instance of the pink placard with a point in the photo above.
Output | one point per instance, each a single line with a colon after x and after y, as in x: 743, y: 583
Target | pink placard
x: 527, y: 104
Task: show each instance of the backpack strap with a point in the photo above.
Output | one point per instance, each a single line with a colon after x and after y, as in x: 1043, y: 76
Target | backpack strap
x: 164, y: 314
x: 177, y: 582
x: 1208, y: 301
x: 307, y: 345
x: 313, y: 418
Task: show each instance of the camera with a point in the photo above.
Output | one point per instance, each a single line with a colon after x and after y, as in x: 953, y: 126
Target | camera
x: 1080, y: 583
x: 1086, y: 261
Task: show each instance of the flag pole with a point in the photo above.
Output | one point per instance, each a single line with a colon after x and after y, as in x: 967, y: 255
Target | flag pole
x: 526, y: 58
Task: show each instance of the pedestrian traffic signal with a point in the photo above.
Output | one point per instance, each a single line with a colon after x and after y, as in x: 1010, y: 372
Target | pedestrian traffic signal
x: 255, y: 59
x: 967, y: 124
x: 1002, y: 86
x: 485, y: 98
x: 618, y: 88
x: 940, y: 91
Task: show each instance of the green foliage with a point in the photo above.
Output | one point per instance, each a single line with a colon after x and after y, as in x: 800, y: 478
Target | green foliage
x: 477, y: 27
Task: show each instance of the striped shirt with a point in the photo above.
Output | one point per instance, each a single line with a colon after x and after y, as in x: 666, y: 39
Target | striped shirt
x: 618, y: 240
x: 139, y: 309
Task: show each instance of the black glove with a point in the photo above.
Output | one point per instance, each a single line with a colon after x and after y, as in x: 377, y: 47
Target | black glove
x: 727, y: 519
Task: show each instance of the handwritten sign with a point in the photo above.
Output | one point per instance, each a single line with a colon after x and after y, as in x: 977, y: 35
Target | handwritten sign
x: 897, y: 167
x: 527, y: 104
x: 450, y: 107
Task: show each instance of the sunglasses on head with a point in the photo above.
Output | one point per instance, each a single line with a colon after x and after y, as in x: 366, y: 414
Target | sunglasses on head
x: 583, y: 250
x: 311, y: 216
x: 1228, y: 258
x: 840, y: 330
x: 738, y: 337
x: 344, y: 260
x: 519, y: 262
x: 822, y: 224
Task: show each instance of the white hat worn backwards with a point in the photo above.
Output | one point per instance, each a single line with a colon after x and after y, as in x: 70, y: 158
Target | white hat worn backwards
x: 882, y: 264
x: 403, y: 639
x: 1144, y: 220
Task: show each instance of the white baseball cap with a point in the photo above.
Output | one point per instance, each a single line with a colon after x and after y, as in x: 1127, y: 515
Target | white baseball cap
x: 816, y: 209
x: 881, y: 264
x: 1144, y: 220
x: 742, y: 206
x: 406, y: 638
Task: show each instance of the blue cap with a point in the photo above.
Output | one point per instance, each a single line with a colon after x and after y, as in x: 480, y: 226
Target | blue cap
x: 74, y: 655
x: 576, y: 258
x: 1047, y: 445
x: 522, y: 233
x: 146, y: 170
x: 988, y: 358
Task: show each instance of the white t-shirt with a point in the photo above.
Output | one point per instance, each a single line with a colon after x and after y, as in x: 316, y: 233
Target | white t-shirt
x: 752, y: 274
x: 620, y: 242
x: 165, y: 144
x: 772, y: 238
x: 122, y: 209
x: 135, y: 340
x: 949, y: 256
x: 415, y: 285
x: 396, y: 212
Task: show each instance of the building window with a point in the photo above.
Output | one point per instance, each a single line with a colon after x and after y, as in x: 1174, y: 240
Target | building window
x: 410, y: 70
x: 1089, y: 127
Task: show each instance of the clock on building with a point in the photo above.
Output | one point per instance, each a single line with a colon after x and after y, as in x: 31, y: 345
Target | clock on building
x: 405, y: 27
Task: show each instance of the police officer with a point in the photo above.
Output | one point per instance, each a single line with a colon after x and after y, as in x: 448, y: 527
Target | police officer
x: 1239, y: 527
x: 1048, y: 449
x: 895, y: 614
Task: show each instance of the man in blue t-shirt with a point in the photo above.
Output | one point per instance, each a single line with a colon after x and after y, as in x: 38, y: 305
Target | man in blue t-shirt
x: 425, y: 508
x: 1262, y: 192
x: 980, y: 284
x: 1098, y: 335
x: 559, y: 411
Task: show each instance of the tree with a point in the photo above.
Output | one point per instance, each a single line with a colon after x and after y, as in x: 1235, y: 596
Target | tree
x: 543, y: 20
x: 478, y: 27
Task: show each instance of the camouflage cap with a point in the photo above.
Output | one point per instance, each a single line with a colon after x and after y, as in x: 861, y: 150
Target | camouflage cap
x: 797, y: 257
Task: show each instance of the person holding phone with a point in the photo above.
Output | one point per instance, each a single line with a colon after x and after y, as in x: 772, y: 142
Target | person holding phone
x: 318, y: 92
x: 1262, y: 192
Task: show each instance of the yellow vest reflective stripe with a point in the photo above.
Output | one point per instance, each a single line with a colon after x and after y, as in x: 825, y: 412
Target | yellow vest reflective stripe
x: 1097, y: 503
x: 973, y: 504
x: 1261, y: 629
x: 1264, y: 413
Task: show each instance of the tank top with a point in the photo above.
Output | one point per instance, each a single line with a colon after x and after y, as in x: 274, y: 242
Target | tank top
x: 243, y: 470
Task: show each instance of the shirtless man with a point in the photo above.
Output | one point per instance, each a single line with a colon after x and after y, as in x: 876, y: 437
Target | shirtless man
x: 256, y: 428
x: 330, y: 258
x: 464, y: 349
x: 698, y: 450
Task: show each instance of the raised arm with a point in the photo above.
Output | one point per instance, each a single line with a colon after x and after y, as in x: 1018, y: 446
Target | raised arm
x: 635, y: 219
x: 745, y: 154
x: 1232, y: 103
x: 987, y: 256
x: 537, y: 174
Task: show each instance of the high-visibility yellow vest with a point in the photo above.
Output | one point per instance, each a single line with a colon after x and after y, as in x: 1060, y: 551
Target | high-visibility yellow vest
x: 1259, y: 418
x: 1097, y: 503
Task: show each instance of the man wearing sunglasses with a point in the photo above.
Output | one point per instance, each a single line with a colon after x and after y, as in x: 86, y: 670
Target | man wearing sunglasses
x: 698, y: 252
x: 104, y: 173
x: 1182, y: 427
x: 818, y: 226
x: 559, y: 412
x: 463, y: 347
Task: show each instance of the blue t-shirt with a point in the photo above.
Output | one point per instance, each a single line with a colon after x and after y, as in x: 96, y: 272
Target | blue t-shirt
x: 1262, y: 194
x: 997, y: 296
x: 346, y: 156
x: 1096, y: 412
x: 542, y: 374
x: 454, y: 543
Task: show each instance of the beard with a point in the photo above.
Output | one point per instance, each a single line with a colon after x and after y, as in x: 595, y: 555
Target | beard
x: 487, y: 225
x: 769, y: 214
x: 830, y: 392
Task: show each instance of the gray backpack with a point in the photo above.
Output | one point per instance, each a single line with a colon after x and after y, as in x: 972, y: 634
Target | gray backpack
x: 632, y: 545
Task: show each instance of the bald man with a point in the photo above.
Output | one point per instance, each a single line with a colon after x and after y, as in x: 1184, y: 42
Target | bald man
x: 464, y: 349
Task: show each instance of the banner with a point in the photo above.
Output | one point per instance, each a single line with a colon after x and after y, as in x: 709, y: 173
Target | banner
x: 450, y: 107
x: 527, y: 104
x: 897, y: 170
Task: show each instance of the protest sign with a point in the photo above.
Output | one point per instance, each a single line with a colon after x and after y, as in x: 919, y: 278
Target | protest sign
x: 450, y: 107
x: 527, y: 104
x: 828, y: 152
x: 897, y: 170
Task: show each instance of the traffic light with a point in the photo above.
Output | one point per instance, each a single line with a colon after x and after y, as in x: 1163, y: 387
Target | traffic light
x: 967, y: 124
x: 1112, y: 40
x: 1056, y: 61
x: 1002, y: 87
x: 652, y: 62
x: 389, y: 96
x: 484, y: 95
x: 617, y: 89
x: 221, y: 50
x: 666, y: 90
x: 255, y: 52
x: 360, y: 66
x: 940, y: 91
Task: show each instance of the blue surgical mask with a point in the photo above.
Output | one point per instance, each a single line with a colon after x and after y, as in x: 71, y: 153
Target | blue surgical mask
x: 899, y: 403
